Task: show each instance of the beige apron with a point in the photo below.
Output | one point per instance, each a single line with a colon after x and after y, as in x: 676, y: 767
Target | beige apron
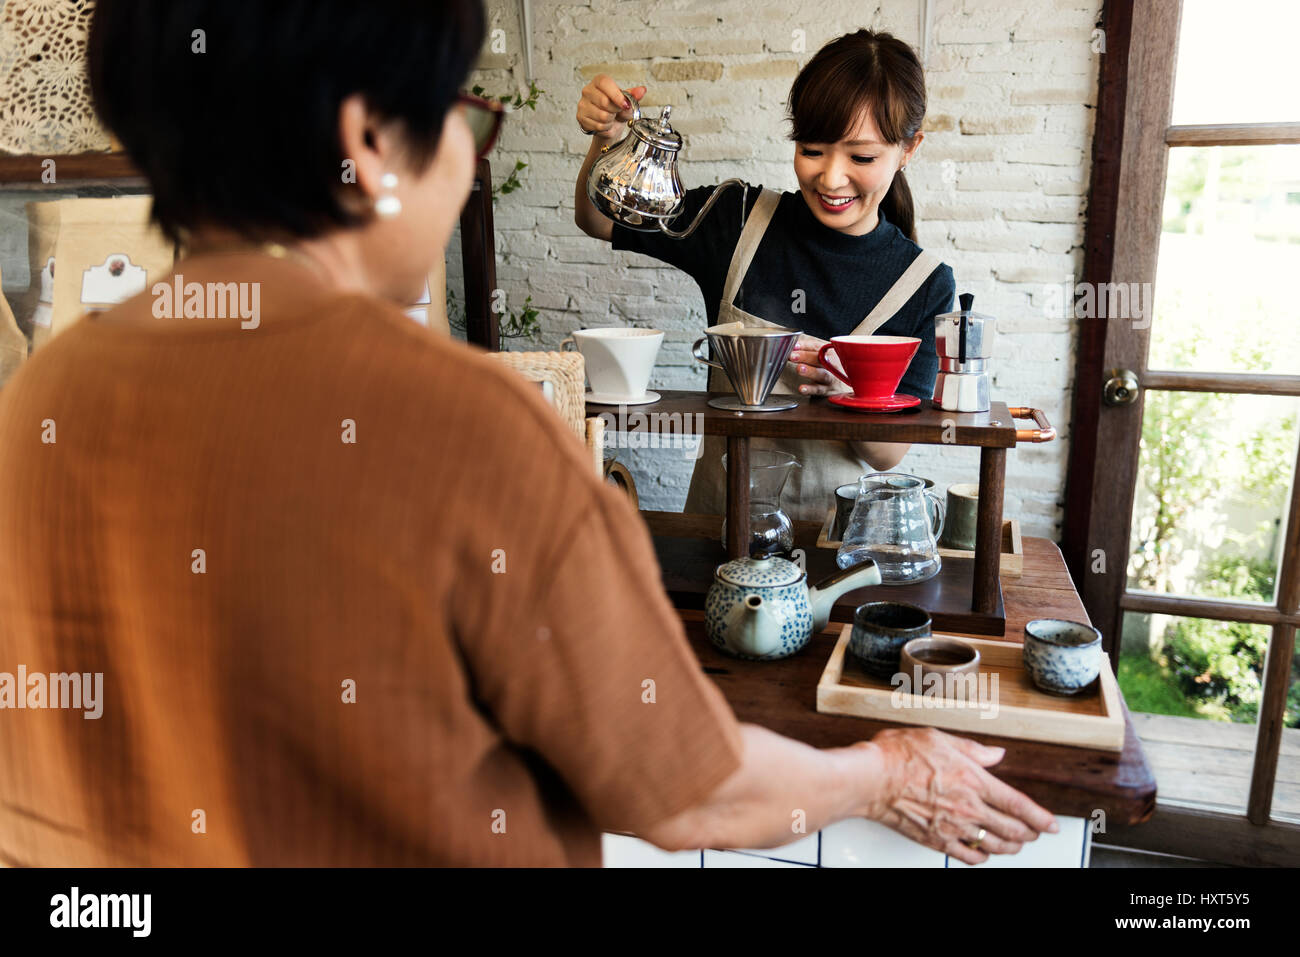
x: 826, y: 465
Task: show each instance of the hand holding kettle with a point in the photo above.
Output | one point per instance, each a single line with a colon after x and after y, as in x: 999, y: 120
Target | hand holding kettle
x: 604, y: 109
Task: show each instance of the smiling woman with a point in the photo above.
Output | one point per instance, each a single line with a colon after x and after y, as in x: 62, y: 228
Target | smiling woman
x: 837, y: 257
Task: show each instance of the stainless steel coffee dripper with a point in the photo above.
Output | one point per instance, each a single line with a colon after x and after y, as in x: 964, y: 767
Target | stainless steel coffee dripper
x: 753, y: 358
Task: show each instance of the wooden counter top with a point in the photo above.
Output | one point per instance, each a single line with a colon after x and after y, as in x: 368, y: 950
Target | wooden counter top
x: 814, y: 417
x: 781, y: 695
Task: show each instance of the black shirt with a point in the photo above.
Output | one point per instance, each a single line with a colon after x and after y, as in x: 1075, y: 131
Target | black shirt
x: 841, y: 277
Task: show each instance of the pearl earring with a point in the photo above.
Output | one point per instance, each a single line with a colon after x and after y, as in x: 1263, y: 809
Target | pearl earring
x: 388, y: 206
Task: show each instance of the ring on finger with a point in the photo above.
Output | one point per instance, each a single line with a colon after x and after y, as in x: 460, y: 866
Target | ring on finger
x: 979, y: 839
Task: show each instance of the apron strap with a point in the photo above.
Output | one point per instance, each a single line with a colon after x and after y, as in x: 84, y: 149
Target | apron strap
x: 900, y: 292
x: 747, y: 245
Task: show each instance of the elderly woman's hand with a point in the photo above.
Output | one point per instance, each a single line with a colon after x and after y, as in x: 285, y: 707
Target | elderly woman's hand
x: 820, y: 381
x: 937, y: 792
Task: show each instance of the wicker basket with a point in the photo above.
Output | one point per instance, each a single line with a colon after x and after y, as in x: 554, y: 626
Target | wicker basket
x: 566, y: 373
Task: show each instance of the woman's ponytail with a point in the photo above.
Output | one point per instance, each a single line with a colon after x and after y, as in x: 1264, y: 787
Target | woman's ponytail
x: 898, y: 208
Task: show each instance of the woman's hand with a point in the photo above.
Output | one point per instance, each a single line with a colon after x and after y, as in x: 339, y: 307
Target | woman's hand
x: 936, y: 792
x: 606, y: 109
x: 820, y: 381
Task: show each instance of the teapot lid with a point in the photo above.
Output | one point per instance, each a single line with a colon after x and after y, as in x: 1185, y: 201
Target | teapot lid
x: 770, y: 572
x: 967, y: 301
x: 657, y: 132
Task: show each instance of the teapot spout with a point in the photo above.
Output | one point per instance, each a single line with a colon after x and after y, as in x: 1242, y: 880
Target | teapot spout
x: 823, y: 595
x: 751, y: 629
x: 704, y: 210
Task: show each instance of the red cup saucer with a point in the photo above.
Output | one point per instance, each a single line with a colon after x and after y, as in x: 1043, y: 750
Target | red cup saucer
x: 888, y: 403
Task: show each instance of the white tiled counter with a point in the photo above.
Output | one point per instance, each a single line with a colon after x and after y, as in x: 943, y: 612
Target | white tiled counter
x: 855, y: 844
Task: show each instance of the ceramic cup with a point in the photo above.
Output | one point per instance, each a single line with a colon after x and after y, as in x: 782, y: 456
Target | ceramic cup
x: 881, y: 629
x: 618, y: 360
x: 938, y: 656
x: 873, y: 365
x: 845, y: 497
x: 963, y: 513
x: 1062, y: 657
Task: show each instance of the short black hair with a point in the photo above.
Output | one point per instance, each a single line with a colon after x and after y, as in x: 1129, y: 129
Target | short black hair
x: 244, y: 135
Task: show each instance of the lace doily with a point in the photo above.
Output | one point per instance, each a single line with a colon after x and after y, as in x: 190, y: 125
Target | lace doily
x: 45, y: 105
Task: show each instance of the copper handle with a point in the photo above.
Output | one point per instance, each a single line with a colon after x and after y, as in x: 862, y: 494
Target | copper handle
x: 1045, y: 431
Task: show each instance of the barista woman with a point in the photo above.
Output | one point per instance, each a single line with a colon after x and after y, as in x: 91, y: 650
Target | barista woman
x: 837, y: 257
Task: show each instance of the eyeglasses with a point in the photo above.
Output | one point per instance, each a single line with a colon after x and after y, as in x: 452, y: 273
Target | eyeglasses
x: 484, y: 118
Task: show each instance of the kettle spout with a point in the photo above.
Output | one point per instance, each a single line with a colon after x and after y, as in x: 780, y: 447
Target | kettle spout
x: 823, y: 595
x: 751, y: 630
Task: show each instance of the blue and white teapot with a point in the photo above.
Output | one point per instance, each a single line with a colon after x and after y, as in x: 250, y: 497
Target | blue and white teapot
x: 762, y: 608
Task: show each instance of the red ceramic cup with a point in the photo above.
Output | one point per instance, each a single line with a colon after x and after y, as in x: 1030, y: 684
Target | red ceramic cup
x: 873, y: 365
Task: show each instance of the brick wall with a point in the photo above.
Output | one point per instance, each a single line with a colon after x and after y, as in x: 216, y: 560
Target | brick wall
x: 1000, y: 182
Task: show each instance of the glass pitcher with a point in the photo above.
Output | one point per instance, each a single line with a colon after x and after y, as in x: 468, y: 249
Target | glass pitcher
x: 896, y: 522
x: 770, y: 530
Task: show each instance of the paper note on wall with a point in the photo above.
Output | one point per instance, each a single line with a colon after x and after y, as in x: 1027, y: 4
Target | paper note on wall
x: 107, y: 251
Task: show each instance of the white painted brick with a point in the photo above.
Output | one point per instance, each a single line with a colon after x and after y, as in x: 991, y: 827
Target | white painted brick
x: 580, y: 250
x: 650, y: 47
x: 1044, y: 155
x: 1001, y: 181
x: 999, y: 184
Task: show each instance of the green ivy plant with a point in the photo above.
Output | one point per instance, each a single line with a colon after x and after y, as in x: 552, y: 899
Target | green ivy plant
x: 522, y: 324
x: 512, y: 325
x: 515, y: 101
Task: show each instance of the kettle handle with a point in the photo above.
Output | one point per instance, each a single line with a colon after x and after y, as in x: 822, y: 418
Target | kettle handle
x: 636, y: 107
x: 636, y: 115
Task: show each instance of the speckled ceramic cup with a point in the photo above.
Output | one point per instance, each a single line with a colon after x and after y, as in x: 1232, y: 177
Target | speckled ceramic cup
x: 880, y: 629
x: 1062, y: 657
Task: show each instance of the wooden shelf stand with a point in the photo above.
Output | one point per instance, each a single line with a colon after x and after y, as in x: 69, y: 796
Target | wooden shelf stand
x: 993, y: 432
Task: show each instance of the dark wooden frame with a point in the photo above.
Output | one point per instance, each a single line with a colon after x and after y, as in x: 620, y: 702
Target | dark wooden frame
x: 72, y: 166
x: 479, y: 252
x: 1129, y: 163
x: 1098, y: 259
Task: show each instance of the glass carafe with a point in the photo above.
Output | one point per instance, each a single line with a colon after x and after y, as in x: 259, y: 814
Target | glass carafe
x: 896, y: 522
x: 770, y: 530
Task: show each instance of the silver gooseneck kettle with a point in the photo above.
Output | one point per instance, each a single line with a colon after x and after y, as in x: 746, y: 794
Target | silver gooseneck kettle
x: 634, y: 182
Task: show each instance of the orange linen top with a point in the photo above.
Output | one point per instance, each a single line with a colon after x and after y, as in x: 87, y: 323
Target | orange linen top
x: 442, y: 643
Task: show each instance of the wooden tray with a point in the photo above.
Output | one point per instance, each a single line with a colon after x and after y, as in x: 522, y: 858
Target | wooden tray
x: 1013, y: 549
x: 1092, y: 719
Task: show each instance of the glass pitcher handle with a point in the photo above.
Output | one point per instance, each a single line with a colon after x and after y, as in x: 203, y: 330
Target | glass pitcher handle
x: 940, y: 512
